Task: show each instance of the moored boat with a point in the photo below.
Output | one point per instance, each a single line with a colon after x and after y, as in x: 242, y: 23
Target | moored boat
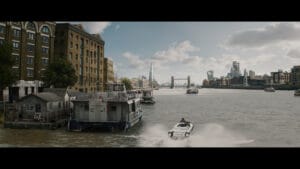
x: 297, y: 92
x: 147, y: 97
x: 114, y: 109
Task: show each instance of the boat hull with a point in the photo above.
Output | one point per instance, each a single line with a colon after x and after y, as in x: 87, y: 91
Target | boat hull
x: 74, y: 125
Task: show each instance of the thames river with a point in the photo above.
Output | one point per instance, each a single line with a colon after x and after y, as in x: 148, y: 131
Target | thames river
x: 222, y: 118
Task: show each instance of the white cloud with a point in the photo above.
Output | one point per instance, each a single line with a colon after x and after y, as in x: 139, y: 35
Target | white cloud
x: 176, y: 52
x: 270, y: 34
x: 134, y: 60
x: 94, y: 27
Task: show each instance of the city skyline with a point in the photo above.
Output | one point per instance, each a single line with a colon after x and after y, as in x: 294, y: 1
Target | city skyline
x: 192, y: 48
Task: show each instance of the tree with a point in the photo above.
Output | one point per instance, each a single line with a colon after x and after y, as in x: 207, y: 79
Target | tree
x: 60, y: 73
x: 127, y: 83
x: 7, y: 74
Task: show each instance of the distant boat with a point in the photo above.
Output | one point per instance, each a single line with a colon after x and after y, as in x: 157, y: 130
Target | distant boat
x: 147, y: 97
x: 192, y: 91
x: 269, y: 89
x: 297, y: 92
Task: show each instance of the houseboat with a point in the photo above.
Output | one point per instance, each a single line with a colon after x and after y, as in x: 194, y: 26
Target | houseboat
x: 147, y: 97
x: 113, y: 109
x: 297, y: 92
x: 43, y: 110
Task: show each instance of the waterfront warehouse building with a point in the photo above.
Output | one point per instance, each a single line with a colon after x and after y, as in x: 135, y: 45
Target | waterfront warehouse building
x: 33, y: 49
x: 86, y: 53
x: 295, y: 76
x: 109, y: 76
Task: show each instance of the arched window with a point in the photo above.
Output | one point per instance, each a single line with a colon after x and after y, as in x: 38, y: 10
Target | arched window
x: 45, y: 30
x: 30, y: 26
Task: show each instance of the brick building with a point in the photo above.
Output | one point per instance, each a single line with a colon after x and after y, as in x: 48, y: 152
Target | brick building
x: 33, y: 49
x: 86, y: 53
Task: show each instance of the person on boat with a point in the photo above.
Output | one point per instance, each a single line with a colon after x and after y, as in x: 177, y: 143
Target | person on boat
x: 183, y: 120
x: 185, y: 123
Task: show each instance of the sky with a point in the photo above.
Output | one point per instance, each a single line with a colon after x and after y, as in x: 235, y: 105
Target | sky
x: 182, y: 49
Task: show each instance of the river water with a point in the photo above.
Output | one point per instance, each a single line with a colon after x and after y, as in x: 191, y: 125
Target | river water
x: 222, y: 118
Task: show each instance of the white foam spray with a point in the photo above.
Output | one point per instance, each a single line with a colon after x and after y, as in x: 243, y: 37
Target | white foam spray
x: 209, y: 135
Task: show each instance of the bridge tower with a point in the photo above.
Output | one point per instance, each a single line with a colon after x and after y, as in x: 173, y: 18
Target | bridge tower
x: 188, y: 82
x: 172, y: 82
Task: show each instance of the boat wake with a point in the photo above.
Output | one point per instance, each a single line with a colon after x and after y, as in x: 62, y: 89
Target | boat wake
x: 210, y: 135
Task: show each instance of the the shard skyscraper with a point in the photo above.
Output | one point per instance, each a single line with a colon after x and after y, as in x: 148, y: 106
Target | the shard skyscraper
x: 151, y: 76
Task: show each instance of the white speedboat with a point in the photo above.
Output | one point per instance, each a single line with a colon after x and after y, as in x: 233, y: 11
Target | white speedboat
x: 181, y: 130
x: 269, y: 89
x: 192, y: 91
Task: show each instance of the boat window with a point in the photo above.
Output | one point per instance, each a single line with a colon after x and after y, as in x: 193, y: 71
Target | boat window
x: 86, y: 106
x: 113, y: 108
x: 133, y: 107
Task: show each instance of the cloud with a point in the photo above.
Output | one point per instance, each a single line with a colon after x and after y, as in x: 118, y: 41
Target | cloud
x: 270, y: 34
x: 134, y: 60
x: 294, y: 53
x: 94, y: 27
x: 177, y: 53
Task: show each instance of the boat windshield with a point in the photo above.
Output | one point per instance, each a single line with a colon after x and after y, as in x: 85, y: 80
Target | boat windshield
x: 183, y: 125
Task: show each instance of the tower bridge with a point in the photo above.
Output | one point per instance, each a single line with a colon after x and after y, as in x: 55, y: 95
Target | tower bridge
x: 188, y: 79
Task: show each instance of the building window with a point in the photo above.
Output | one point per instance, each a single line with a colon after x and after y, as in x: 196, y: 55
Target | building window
x: 30, y: 26
x: 1, y: 41
x: 16, y: 33
x: 71, y: 35
x: 29, y: 73
x: 76, y: 46
x: 45, y: 39
x: 16, y: 71
x: 16, y: 45
x: 45, y: 61
x: 29, y: 60
x: 38, y: 107
x: 30, y: 48
x: 45, y: 50
x: 17, y: 57
x: 70, y: 55
x: 26, y: 90
x: 45, y: 29
x: 87, y: 42
x: 42, y: 72
x: 76, y: 56
x: 30, y: 36
x: 2, y: 29
x: 71, y: 44
x: 81, y: 61
x: 87, y: 52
